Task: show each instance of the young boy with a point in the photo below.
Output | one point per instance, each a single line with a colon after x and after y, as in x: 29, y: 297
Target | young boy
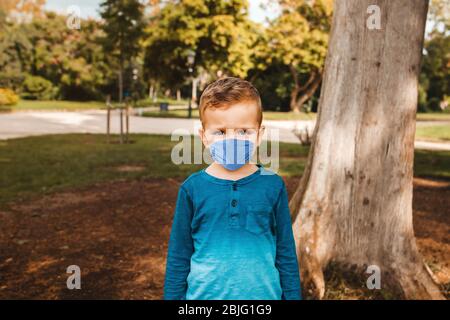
x: 231, y: 235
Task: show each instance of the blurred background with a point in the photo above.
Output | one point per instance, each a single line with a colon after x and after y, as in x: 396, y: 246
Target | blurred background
x: 74, y: 50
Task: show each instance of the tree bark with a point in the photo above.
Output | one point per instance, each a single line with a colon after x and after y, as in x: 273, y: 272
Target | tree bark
x: 353, y: 204
x: 150, y: 90
x: 293, y: 104
x: 295, y: 90
x: 121, y: 97
x: 194, y: 91
x: 121, y: 82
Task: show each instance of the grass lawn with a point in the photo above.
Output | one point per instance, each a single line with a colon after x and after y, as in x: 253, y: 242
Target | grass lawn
x: 57, y: 105
x: 34, y: 105
x: 36, y: 165
x: 170, y: 114
x: 434, y: 132
x: 150, y: 102
x: 273, y: 115
x: 434, y: 116
x: 269, y: 115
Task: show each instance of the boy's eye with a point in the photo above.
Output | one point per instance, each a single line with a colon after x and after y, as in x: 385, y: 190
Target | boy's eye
x: 246, y: 132
x: 217, y: 132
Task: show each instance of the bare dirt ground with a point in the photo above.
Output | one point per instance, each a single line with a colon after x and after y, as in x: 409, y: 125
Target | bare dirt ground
x: 117, y: 233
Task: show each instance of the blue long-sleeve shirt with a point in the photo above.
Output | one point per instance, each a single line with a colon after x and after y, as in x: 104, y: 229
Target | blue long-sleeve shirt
x: 232, y: 240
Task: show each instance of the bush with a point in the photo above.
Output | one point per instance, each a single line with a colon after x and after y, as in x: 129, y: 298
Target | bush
x: 8, y: 97
x: 422, y: 100
x: 434, y: 104
x: 38, y: 88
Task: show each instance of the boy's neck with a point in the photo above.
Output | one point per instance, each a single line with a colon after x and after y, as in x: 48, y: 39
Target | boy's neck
x: 220, y: 172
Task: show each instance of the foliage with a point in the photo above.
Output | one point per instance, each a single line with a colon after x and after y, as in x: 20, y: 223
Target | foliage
x: 123, y: 29
x: 298, y: 39
x: 58, y: 105
x: 38, y: 88
x: 299, y: 36
x: 8, y: 97
x: 219, y: 32
x: 72, y: 60
x: 435, y: 73
x: 14, y: 43
x: 273, y: 83
x: 439, y: 15
x: 22, y: 10
x: 434, y: 88
x: 283, y: 58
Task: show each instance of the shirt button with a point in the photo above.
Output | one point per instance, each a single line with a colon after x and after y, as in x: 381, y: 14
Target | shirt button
x: 234, y: 202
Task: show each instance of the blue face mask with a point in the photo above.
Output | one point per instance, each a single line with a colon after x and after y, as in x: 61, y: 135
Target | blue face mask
x: 231, y: 153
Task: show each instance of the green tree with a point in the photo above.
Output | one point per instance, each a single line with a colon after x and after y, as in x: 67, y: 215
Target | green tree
x: 38, y: 88
x: 22, y: 10
x: 73, y: 60
x: 298, y: 39
x: 14, y: 44
x: 435, y: 75
x: 219, y: 32
x: 8, y: 97
x: 439, y: 15
x: 124, y: 28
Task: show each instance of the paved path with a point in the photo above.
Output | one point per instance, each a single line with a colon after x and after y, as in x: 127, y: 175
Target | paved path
x: 22, y: 124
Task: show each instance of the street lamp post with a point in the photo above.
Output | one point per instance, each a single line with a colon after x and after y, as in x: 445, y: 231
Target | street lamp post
x: 135, y: 85
x: 191, y: 61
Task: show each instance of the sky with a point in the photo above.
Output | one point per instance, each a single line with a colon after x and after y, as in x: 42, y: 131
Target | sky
x: 89, y: 8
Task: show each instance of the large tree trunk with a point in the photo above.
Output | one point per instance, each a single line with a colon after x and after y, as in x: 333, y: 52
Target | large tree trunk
x: 354, y: 202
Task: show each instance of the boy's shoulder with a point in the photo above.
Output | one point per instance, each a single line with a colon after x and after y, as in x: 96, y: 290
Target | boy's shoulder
x: 271, y: 177
x: 191, y: 179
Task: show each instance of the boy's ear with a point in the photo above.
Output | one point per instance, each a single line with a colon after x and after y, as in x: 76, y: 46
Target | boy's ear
x: 201, y: 134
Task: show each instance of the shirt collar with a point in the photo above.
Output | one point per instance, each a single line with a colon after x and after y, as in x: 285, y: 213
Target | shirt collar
x: 240, y: 181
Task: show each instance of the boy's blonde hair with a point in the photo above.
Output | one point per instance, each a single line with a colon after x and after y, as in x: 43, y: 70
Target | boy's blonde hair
x: 227, y: 91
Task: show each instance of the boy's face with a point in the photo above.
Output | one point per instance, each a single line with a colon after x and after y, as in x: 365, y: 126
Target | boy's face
x: 238, y: 121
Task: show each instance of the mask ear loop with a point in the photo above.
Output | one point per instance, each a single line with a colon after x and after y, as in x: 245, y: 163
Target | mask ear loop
x: 207, y: 142
x: 261, y: 128
x: 204, y: 135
